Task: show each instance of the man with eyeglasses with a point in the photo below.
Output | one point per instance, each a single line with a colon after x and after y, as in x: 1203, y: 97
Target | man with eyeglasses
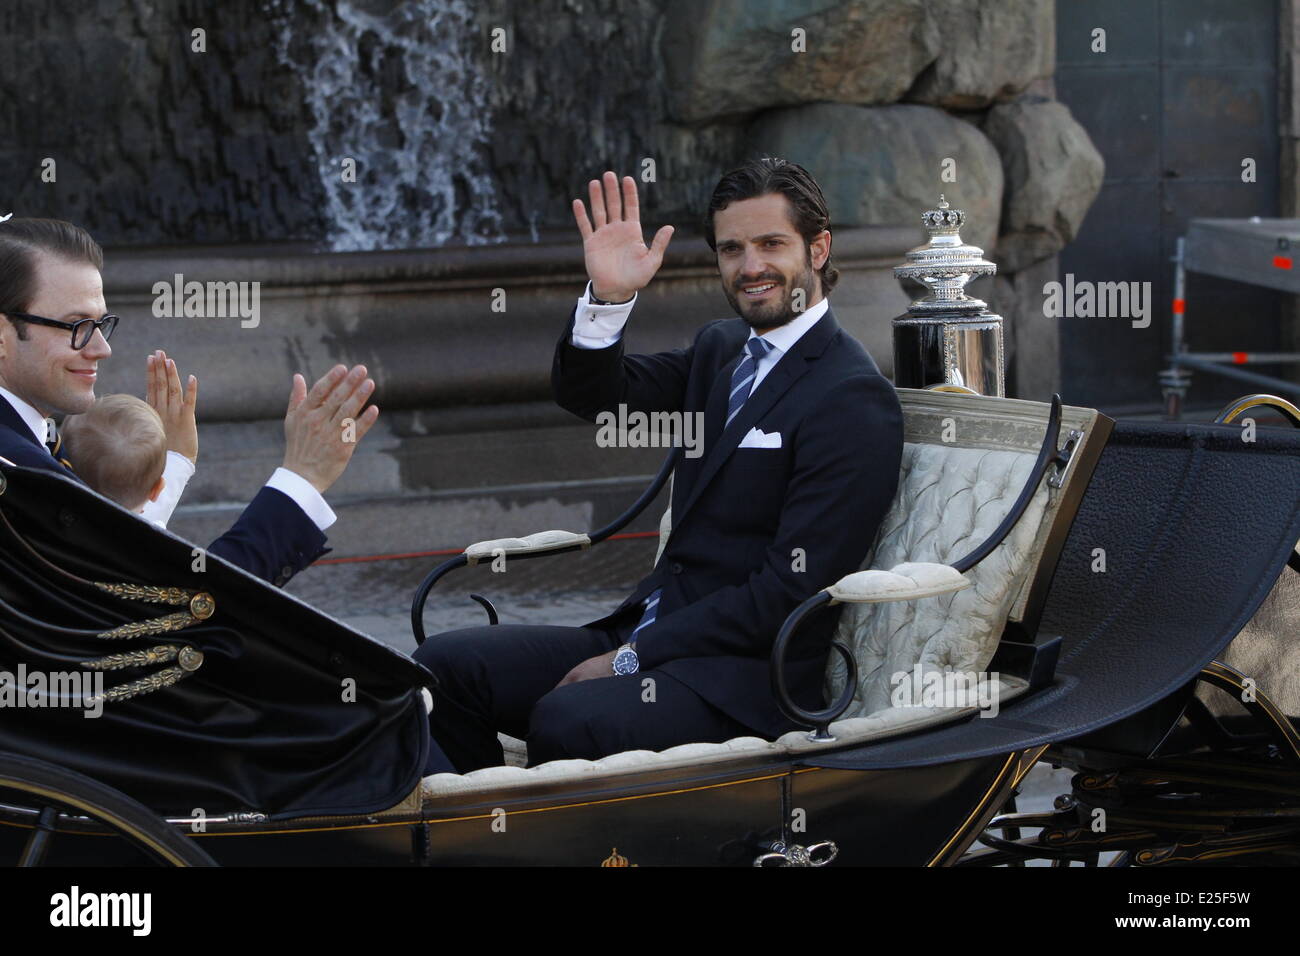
x: 83, y: 330
x: 52, y: 339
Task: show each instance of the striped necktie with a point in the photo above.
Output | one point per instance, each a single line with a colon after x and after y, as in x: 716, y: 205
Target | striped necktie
x: 742, y: 379
x: 54, y: 442
x: 742, y: 383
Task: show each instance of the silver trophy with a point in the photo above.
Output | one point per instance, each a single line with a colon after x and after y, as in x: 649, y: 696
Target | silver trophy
x: 948, y: 339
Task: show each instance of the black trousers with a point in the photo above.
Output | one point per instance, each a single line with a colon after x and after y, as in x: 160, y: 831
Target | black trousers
x: 503, y: 677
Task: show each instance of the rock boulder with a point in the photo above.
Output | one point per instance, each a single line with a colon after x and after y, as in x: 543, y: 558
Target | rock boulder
x: 1052, y: 173
x: 988, y: 51
x: 734, y: 57
x: 884, y: 166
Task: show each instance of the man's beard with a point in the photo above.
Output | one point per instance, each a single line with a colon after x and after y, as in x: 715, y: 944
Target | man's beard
x: 772, y: 315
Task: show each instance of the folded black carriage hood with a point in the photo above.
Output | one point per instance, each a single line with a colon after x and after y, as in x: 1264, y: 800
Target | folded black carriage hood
x: 266, y: 724
x: 1196, y: 524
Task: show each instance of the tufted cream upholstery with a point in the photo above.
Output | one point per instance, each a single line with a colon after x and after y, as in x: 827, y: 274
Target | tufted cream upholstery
x: 950, y: 500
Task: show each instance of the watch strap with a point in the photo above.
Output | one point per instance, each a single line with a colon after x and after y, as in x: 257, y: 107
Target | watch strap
x: 595, y: 300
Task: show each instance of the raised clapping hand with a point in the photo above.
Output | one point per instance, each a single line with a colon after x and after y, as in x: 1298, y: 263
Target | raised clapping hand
x: 174, y: 406
x: 618, y: 262
x: 322, y: 427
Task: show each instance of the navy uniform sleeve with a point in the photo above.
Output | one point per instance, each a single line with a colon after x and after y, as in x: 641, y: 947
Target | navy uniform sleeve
x: 273, y: 539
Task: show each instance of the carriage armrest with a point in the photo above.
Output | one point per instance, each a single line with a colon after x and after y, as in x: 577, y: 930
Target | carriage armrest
x: 908, y: 581
x: 542, y: 542
x: 903, y: 582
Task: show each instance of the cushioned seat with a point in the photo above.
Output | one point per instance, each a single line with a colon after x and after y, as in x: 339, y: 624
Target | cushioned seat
x: 920, y: 623
x: 891, y: 722
x: 950, y: 499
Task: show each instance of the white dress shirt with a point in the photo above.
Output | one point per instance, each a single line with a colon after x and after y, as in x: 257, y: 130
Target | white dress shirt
x: 177, y: 473
x: 179, y: 469
x: 600, y: 326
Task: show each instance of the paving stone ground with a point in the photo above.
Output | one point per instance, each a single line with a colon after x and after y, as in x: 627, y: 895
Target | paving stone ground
x: 375, y: 596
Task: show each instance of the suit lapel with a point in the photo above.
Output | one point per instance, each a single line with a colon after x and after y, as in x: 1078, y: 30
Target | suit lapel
x: 715, y: 413
x: 10, y: 419
x: 791, y: 367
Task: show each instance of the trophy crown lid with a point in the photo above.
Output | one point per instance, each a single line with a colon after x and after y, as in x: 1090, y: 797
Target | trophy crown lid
x: 945, y: 263
x: 943, y: 221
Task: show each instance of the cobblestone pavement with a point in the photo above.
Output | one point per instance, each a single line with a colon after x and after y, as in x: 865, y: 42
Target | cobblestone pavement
x: 375, y: 597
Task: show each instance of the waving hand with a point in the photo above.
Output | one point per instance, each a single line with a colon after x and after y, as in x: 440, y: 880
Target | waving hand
x: 618, y: 262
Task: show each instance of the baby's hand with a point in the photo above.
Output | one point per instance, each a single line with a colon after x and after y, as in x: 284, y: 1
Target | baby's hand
x: 174, y: 407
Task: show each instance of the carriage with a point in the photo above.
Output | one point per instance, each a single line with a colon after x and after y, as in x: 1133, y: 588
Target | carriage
x: 1117, y: 597
x: 1121, y: 598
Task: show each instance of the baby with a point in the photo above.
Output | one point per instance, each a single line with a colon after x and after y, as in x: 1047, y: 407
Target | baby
x: 119, y: 448
x: 131, y: 451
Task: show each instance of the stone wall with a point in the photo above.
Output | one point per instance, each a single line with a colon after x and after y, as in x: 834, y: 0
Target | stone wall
x: 153, y: 143
x: 157, y: 143
x: 473, y: 123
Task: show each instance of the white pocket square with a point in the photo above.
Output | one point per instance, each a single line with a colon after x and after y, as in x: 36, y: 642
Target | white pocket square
x: 760, y: 439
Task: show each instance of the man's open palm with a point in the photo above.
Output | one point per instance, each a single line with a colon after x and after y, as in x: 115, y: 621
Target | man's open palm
x: 618, y: 262
x: 322, y: 426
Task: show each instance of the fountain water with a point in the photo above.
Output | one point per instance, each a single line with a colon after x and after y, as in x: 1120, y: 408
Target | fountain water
x: 401, y: 124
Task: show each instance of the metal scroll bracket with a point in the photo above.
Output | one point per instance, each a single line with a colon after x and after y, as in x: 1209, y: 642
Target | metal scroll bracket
x: 792, y: 854
x: 1061, y: 460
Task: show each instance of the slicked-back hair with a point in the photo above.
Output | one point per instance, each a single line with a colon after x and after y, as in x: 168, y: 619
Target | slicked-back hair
x: 759, y: 177
x: 21, y: 240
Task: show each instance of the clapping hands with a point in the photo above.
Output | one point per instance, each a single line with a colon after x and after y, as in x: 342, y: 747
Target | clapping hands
x: 323, y: 425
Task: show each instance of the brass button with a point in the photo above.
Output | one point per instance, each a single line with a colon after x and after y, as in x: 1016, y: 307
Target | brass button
x: 190, y: 658
x: 202, y: 606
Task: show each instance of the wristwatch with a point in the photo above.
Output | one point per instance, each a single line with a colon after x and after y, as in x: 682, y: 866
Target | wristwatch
x: 626, y: 661
x: 591, y: 297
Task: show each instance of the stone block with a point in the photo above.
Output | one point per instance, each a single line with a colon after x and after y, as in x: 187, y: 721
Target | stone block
x: 734, y: 57
x: 884, y: 166
x: 1052, y: 173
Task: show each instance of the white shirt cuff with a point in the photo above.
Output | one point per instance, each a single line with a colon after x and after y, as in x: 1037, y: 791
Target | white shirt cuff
x: 177, y: 473
x: 304, y: 495
x: 599, y: 326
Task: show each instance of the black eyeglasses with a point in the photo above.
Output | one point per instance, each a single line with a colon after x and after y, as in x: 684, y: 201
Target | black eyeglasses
x: 83, y: 330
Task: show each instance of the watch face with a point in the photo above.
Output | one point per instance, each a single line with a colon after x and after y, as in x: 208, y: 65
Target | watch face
x: 625, y: 662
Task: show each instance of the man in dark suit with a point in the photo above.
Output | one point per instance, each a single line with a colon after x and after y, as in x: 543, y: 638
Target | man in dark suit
x: 802, y: 442
x: 53, y: 335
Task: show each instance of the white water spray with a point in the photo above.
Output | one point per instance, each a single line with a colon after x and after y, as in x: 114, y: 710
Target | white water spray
x: 402, y: 96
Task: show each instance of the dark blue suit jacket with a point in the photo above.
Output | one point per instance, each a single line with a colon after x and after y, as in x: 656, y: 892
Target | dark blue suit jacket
x: 755, y: 531
x: 273, y: 539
